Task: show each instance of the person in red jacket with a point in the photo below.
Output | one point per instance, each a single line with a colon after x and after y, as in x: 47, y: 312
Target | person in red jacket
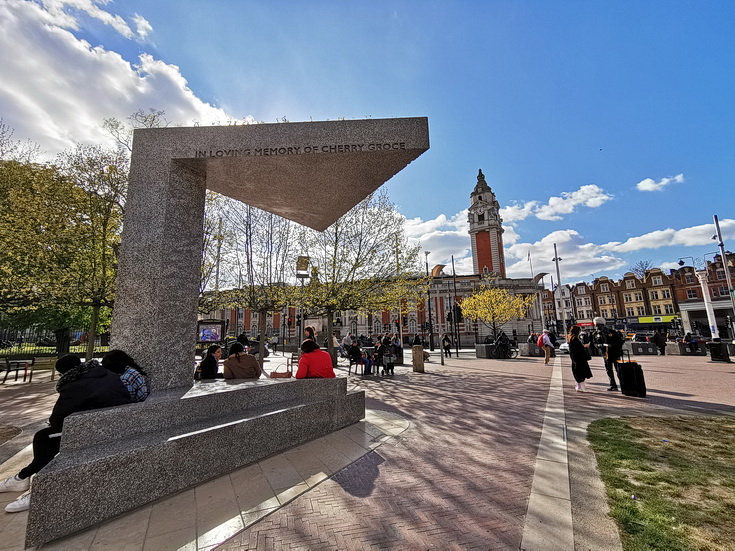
x: 314, y: 363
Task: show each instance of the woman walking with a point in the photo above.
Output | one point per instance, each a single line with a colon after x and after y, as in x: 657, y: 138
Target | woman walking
x: 580, y: 359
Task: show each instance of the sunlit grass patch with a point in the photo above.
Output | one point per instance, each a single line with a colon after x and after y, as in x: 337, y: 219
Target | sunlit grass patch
x: 670, y: 480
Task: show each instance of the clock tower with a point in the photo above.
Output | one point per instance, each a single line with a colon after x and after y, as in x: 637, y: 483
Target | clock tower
x: 486, y: 230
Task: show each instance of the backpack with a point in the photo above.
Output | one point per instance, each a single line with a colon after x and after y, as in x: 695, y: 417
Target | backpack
x: 540, y: 341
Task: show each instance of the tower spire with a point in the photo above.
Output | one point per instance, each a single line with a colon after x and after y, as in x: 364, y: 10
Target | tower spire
x: 486, y: 230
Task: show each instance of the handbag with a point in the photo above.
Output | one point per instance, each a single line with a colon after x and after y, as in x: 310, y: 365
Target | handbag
x: 275, y: 374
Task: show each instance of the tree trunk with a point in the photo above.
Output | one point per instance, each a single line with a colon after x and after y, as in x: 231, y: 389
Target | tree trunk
x: 261, y: 331
x: 330, y: 341
x: 63, y: 341
x: 92, y: 335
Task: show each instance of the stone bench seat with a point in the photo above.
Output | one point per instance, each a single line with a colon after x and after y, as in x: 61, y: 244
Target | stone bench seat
x: 117, y: 459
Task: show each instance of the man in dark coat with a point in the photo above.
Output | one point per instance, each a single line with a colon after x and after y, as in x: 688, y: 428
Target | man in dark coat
x: 612, y: 343
x: 659, y: 341
x: 82, y: 387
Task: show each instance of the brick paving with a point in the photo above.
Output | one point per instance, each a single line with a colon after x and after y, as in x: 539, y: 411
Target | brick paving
x: 459, y: 478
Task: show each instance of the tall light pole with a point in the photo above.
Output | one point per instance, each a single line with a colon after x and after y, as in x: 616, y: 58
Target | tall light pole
x: 730, y: 289
x: 558, y: 279
x: 428, y: 292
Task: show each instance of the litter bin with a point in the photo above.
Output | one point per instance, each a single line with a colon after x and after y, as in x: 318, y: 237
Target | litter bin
x: 718, y: 352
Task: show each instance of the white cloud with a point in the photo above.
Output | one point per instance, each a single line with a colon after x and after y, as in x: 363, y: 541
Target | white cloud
x: 142, y: 27
x: 688, y: 237
x: 590, y: 196
x: 48, y: 96
x: 651, y: 185
x: 60, y: 11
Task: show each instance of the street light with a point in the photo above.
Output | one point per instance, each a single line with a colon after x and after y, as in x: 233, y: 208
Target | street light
x: 556, y: 259
x: 730, y: 289
x: 428, y: 292
x: 702, y: 277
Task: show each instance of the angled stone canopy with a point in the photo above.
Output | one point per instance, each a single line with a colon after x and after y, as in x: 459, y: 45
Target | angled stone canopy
x: 311, y: 173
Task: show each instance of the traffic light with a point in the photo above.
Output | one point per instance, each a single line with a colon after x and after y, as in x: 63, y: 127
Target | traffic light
x: 398, y: 325
x: 458, y: 312
x: 405, y: 320
x: 290, y: 321
x: 449, y: 316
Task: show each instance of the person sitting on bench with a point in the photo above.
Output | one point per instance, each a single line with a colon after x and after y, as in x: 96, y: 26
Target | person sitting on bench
x: 82, y: 387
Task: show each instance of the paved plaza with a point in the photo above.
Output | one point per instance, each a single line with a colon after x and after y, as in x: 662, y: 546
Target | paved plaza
x: 475, y: 454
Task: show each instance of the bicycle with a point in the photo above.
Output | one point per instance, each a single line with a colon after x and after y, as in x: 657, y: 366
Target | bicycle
x: 502, y: 351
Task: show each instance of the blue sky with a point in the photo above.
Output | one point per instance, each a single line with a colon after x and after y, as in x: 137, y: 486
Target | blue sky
x: 604, y: 127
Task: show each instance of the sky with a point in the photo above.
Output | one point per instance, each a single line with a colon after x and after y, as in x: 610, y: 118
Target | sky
x: 606, y: 128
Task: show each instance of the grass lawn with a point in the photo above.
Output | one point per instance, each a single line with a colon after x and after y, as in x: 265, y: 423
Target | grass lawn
x: 670, y: 481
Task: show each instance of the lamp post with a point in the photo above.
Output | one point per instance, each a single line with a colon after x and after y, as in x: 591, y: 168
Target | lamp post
x: 428, y: 292
x: 730, y: 289
x: 302, y: 273
x: 556, y: 259
x: 702, y: 277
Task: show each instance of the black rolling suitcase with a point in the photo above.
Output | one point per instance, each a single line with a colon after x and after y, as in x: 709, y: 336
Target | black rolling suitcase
x: 631, y: 378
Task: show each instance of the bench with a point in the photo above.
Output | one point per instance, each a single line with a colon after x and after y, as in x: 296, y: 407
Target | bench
x: 18, y: 364
x: 175, y: 440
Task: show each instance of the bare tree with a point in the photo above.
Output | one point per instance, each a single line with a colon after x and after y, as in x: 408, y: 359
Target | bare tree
x: 640, y: 268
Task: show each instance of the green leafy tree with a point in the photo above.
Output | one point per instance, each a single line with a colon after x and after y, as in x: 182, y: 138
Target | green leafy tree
x: 102, y: 175
x: 494, y: 306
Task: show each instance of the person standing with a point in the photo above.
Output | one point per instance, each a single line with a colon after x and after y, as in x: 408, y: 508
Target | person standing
x: 612, y: 343
x: 547, y: 345
x: 578, y: 352
x: 447, y: 345
x: 659, y: 341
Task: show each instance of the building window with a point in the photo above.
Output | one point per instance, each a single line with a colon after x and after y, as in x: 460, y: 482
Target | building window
x: 353, y: 327
x: 377, y: 327
x: 658, y: 280
x: 720, y: 274
x: 614, y: 313
x: 412, y: 327
x: 546, y: 294
x: 654, y: 295
x: 581, y: 290
x: 481, y: 217
x: 715, y: 292
x: 485, y: 270
x: 668, y: 308
x: 578, y: 302
x: 630, y: 284
x: 665, y: 293
x: 605, y: 314
x: 641, y: 311
x: 656, y: 310
x: 723, y: 291
x: 691, y: 293
x: 627, y: 297
x: 612, y: 299
x: 630, y: 312
x: 688, y: 278
x: 603, y: 300
x: 604, y: 288
x: 638, y: 297
x: 587, y: 301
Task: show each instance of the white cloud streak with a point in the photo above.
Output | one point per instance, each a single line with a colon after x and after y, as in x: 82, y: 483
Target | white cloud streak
x: 651, y: 185
x: 48, y: 96
x: 590, y: 196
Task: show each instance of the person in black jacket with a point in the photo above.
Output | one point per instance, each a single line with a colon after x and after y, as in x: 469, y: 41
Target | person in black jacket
x: 81, y: 387
x: 209, y: 366
x: 580, y: 359
x: 612, y: 343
